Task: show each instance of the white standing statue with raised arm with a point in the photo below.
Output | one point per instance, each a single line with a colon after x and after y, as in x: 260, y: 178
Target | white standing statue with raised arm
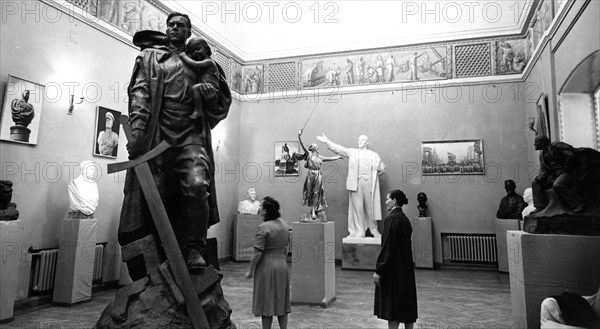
x: 364, y: 167
x: 83, y: 192
x: 249, y: 206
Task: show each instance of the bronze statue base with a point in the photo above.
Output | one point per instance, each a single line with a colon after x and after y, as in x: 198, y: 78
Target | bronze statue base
x: 565, y: 224
x: 320, y: 218
x: 19, y: 134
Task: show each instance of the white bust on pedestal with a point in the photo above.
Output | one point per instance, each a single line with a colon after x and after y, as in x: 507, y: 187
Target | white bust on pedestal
x: 528, y: 198
x: 249, y: 206
x: 83, y: 191
x: 75, y: 265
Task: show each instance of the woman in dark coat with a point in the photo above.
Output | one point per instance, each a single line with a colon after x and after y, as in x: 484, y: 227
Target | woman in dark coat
x: 395, y: 287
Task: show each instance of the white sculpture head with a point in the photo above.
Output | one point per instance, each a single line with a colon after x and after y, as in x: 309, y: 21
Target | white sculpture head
x: 110, y: 119
x: 363, y: 142
x: 89, y: 172
x: 252, y: 194
x: 528, y: 195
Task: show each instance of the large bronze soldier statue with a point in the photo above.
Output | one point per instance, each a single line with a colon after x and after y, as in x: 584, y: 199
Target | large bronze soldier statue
x: 170, y: 198
x: 160, y: 105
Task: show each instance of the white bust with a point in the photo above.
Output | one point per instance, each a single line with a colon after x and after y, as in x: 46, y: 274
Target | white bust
x: 528, y: 197
x: 250, y: 205
x: 83, y: 191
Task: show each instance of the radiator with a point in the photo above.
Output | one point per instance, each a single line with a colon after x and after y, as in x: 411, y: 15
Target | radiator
x: 44, y: 262
x: 44, y: 269
x: 98, y: 262
x: 471, y: 248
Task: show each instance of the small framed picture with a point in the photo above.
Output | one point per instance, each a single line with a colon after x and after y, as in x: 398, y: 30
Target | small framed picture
x: 543, y: 116
x: 21, y: 111
x: 453, y: 157
x: 106, y: 136
x: 285, y: 164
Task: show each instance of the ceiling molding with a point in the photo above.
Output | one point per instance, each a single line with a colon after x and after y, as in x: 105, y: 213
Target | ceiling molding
x: 220, y: 38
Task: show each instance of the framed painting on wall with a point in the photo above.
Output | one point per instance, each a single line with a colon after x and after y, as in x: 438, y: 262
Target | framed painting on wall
x: 106, y: 135
x: 21, y: 111
x: 453, y: 157
x: 285, y: 164
x: 542, y: 120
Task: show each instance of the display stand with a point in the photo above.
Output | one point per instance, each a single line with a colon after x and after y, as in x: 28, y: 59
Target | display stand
x: 422, y: 242
x: 75, y: 265
x: 543, y: 265
x: 11, y: 233
x: 313, y: 264
x: 360, y: 253
x: 243, y: 235
x: 503, y: 226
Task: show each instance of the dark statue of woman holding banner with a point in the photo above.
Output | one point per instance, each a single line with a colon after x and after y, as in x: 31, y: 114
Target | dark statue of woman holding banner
x: 312, y: 193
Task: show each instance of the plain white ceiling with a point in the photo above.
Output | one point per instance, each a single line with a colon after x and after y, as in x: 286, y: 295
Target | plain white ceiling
x: 257, y: 30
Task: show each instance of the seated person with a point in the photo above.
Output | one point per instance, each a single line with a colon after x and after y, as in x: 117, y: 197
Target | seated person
x: 570, y: 310
x: 249, y: 206
x: 512, y: 205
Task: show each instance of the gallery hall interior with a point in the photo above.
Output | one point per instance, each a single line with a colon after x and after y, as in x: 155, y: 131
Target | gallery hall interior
x: 299, y: 164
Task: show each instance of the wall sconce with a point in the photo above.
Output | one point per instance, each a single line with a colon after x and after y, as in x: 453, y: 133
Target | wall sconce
x: 72, y: 105
x: 531, y: 124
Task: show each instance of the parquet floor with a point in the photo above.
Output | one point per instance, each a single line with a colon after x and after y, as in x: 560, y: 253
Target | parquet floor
x: 448, y: 299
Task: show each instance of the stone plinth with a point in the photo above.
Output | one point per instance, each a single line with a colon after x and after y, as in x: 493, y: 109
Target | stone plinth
x: 11, y: 233
x: 243, y: 235
x: 502, y: 226
x: 75, y: 265
x: 563, y: 224
x: 313, y: 263
x: 422, y: 242
x: 542, y: 265
x: 360, y: 253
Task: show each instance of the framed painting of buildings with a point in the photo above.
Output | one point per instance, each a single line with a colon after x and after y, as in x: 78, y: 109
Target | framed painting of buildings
x: 21, y: 111
x: 285, y: 164
x: 106, y: 135
x: 453, y: 157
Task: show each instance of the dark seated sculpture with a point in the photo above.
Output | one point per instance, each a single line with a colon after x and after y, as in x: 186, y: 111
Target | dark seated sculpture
x: 512, y: 205
x: 8, y: 210
x: 566, y: 189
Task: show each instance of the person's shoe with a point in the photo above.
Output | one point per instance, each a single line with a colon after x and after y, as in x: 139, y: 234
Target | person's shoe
x: 194, y: 259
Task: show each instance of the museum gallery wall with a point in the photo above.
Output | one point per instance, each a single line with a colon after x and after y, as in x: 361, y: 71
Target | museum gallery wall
x: 396, y: 122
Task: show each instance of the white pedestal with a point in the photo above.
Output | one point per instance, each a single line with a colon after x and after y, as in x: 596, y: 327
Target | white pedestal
x: 541, y: 265
x: 11, y: 233
x: 243, y: 235
x: 503, y: 226
x: 360, y: 253
x: 313, y: 263
x: 422, y: 242
x: 75, y: 265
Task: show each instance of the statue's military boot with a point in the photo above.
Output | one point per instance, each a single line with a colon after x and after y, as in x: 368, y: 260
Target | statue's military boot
x: 194, y: 259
